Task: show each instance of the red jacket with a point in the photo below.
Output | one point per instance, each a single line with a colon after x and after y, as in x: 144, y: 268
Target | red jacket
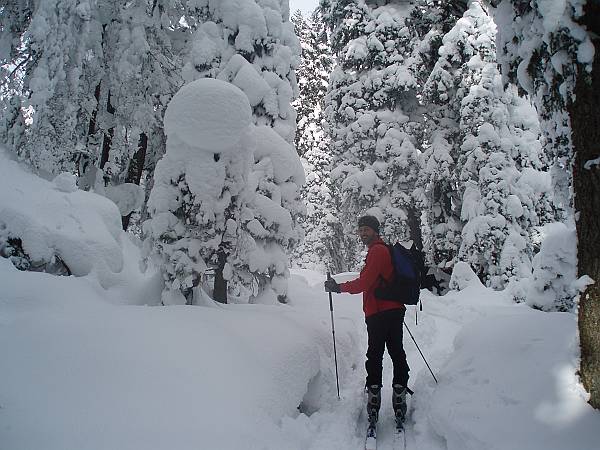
x: 377, y: 264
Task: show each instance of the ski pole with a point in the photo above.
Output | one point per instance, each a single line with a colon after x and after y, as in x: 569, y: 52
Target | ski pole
x: 422, y: 356
x: 337, y: 380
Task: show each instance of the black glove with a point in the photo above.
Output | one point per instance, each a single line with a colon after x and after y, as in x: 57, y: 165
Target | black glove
x: 332, y: 286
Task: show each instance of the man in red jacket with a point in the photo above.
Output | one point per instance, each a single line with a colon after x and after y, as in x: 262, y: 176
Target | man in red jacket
x: 384, y: 319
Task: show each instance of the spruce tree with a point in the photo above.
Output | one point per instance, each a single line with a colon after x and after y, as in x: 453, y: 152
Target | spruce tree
x: 252, y: 45
x: 318, y: 249
x: 372, y: 119
x: 550, y: 53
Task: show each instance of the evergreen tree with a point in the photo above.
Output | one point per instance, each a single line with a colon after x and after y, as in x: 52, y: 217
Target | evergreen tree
x: 372, y: 119
x: 198, y: 194
x: 252, y: 45
x: 482, y: 158
x: 550, y: 53
x: 58, y: 49
x: 318, y: 249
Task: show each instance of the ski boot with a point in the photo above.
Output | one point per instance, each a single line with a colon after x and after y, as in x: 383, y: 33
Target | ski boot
x: 373, y: 403
x: 399, y: 403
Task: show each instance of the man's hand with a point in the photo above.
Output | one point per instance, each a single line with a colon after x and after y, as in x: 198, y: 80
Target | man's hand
x: 332, y: 286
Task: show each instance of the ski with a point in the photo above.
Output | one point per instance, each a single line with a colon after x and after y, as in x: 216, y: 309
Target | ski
x: 371, y: 439
x: 400, y: 437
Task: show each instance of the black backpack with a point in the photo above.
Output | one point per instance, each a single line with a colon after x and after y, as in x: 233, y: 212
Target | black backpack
x: 405, y: 285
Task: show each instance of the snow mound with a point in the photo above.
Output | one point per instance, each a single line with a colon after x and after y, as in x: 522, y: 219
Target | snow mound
x: 51, y: 219
x: 208, y: 114
x: 508, y: 372
x: 463, y: 277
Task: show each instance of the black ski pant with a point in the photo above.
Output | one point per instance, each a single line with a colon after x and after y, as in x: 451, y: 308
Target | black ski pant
x: 384, y: 329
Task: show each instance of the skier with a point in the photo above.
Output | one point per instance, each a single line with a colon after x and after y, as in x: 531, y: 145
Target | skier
x: 384, y: 319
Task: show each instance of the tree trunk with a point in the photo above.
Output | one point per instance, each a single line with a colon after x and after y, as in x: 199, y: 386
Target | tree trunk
x: 92, y: 126
x: 585, y: 123
x: 108, y: 136
x: 414, y: 226
x: 220, y: 286
x: 135, y: 170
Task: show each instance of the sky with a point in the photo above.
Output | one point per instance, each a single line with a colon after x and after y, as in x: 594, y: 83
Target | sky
x: 305, y: 6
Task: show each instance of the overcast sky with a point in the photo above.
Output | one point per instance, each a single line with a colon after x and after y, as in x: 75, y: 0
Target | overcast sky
x: 305, y: 6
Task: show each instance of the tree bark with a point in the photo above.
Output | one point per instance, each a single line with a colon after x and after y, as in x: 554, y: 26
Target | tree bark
x: 414, y: 226
x: 108, y: 136
x: 220, y: 286
x: 135, y: 170
x: 585, y: 123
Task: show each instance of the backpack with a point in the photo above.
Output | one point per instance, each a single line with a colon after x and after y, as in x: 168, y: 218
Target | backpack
x: 405, y: 285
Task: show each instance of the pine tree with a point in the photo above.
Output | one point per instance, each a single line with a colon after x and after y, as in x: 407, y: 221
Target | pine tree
x: 253, y: 46
x: 372, y: 115
x: 197, y: 197
x: 318, y: 249
x: 56, y: 49
x: 481, y: 159
x: 550, y: 53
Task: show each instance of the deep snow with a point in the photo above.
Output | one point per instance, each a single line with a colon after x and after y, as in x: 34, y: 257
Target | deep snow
x: 88, y: 362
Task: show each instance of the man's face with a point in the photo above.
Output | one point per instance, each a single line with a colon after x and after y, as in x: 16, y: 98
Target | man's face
x: 366, y: 234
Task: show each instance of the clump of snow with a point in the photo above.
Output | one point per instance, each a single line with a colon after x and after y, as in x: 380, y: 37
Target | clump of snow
x: 463, y: 277
x: 284, y: 159
x: 65, y: 182
x: 208, y: 114
x: 554, y: 285
x: 244, y: 75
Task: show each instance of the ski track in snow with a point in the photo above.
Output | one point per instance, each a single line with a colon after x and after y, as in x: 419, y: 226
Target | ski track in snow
x: 434, y: 333
x: 341, y: 424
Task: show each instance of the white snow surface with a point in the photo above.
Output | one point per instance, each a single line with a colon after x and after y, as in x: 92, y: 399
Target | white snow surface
x: 208, y: 114
x: 88, y: 366
x: 55, y: 218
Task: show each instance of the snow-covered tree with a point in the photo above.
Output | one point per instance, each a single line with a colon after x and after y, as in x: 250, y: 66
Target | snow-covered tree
x: 313, y: 79
x: 57, y: 51
x: 318, y: 249
x: 484, y: 154
x: 251, y: 44
x: 199, y: 187
x: 372, y: 118
x: 551, y: 51
x: 95, y: 77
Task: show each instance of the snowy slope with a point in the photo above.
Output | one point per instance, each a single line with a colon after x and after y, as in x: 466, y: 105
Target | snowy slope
x: 87, y: 365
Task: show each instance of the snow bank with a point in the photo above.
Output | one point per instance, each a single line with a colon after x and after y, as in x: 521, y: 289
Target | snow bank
x: 56, y: 219
x: 81, y: 373
x: 511, y: 383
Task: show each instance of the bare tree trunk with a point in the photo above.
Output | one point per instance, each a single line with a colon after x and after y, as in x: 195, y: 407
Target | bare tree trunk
x: 135, y: 170
x: 585, y: 123
x: 220, y: 286
x: 414, y: 226
x: 108, y: 136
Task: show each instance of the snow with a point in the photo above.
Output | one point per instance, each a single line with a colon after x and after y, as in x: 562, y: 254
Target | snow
x: 95, y: 366
x: 56, y: 219
x: 208, y: 114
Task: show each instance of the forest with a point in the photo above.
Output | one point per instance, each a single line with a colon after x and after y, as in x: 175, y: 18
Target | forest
x: 240, y: 140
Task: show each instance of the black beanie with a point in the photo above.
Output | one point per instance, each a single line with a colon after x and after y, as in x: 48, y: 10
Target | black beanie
x: 369, y: 221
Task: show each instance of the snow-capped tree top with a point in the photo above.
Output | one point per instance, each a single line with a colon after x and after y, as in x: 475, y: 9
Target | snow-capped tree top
x: 208, y: 114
